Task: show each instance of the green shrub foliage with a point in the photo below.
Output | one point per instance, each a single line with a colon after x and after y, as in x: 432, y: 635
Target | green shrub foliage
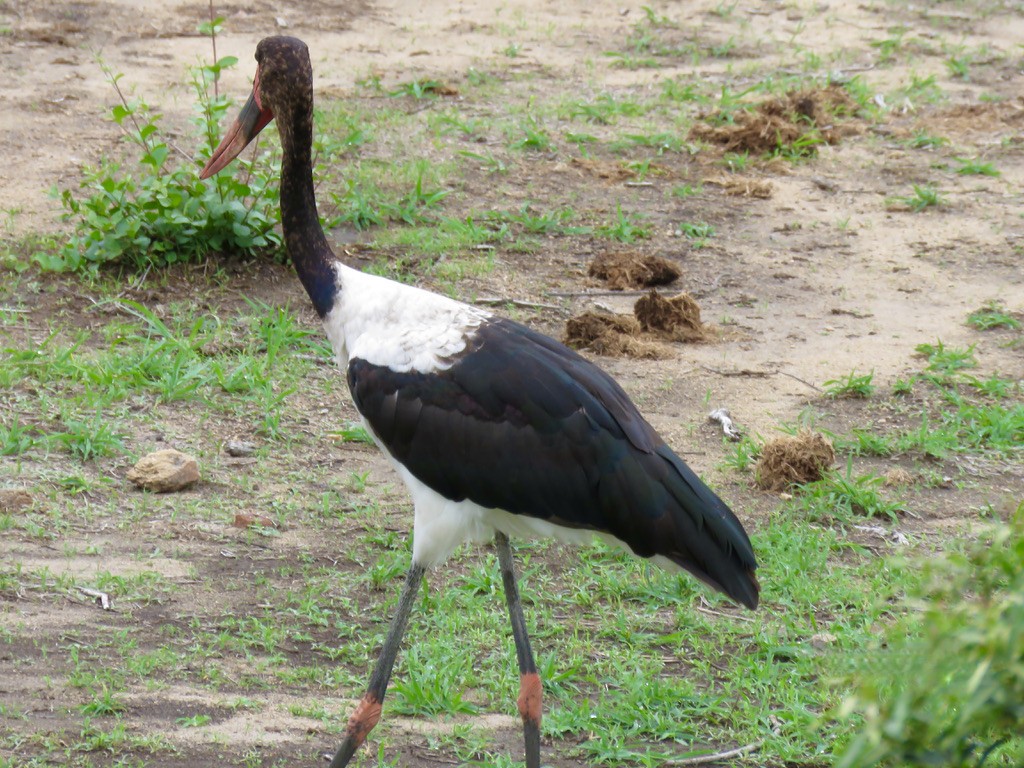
x: 949, y: 688
x: 158, y: 212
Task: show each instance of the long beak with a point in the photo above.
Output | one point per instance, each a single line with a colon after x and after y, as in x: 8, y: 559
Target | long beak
x: 252, y: 119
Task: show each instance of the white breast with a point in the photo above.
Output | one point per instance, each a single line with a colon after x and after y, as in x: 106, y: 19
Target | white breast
x: 399, y: 326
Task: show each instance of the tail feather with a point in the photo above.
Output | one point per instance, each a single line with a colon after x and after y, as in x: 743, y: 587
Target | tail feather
x: 710, y: 541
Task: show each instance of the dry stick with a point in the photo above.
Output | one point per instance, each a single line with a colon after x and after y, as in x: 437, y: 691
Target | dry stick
x: 704, y: 759
x: 492, y: 301
x: 102, y: 598
x: 806, y: 383
x: 711, y: 612
x: 760, y: 375
x: 213, y: 38
x: 585, y: 294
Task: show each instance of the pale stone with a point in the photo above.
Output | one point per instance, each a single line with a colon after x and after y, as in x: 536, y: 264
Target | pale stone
x: 165, y: 471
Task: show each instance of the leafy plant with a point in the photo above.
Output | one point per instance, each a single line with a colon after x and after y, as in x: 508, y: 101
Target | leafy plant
x: 488, y: 161
x: 419, y: 89
x: 623, y: 228
x: 533, y: 137
x: 851, y: 385
x: 743, y: 453
x: 925, y: 196
x: 193, y: 721
x: 992, y: 315
x: 157, y: 213
x: 943, y: 359
x: 976, y: 168
x: 104, y: 703
x: 847, y: 496
x: 959, y: 67
x: 90, y: 439
x: 948, y: 690
x: 924, y: 140
x: 363, y: 204
x: 698, y: 232
x: 736, y: 162
x: 354, y: 433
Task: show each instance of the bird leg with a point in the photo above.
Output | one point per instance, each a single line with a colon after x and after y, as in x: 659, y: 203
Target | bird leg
x: 529, y: 680
x: 367, y: 712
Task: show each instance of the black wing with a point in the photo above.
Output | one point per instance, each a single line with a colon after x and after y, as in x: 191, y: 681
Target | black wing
x: 521, y: 423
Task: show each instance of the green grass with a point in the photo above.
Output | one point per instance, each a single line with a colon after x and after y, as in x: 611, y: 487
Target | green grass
x: 976, y: 168
x: 993, y: 315
x: 624, y: 228
x: 851, y: 385
x: 924, y: 140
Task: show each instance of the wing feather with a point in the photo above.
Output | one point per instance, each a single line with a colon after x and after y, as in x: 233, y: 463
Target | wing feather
x: 521, y: 423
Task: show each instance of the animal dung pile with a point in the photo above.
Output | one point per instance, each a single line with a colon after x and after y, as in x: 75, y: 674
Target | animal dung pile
x: 655, y: 319
x: 612, y: 336
x: 675, y: 319
x: 628, y: 269
x: 743, y: 186
x: 781, y: 122
x: 794, y: 460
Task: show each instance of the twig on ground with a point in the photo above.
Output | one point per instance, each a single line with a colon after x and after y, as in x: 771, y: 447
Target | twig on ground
x: 102, y: 598
x: 492, y: 301
x: 585, y: 294
x: 714, y: 758
x: 712, y: 612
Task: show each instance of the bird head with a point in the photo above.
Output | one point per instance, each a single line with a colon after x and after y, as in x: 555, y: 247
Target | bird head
x: 283, y: 78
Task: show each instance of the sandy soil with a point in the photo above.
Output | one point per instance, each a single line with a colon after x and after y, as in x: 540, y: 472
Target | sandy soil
x: 861, y: 297
x: 820, y: 279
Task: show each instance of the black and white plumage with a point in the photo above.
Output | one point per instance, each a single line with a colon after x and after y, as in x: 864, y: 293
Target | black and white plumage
x: 496, y: 430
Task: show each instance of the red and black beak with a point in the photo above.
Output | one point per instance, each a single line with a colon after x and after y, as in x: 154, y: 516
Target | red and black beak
x: 252, y: 119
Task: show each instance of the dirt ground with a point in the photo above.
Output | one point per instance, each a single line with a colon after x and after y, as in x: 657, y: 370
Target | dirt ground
x: 823, y: 277
x: 860, y: 296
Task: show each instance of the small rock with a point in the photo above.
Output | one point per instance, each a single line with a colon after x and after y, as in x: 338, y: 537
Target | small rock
x: 239, y: 448
x: 823, y: 640
x: 165, y: 471
x: 14, y: 499
x: 897, y: 477
x: 244, y: 520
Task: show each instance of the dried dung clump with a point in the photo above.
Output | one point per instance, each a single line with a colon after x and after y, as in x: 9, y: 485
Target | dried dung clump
x: 783, y: 122
x: 628, y: 269
x: 602, y: 169
x: 744, y: 186
x: 612, y: 336
x: 677, y: 318
x: 14, y: 500
x: 674, y: 319
x: 793, y: 460
x: 897, y: 477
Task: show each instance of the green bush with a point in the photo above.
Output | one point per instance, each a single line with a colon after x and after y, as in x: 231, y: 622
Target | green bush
x: 157, y: 212
x: 948, y: 690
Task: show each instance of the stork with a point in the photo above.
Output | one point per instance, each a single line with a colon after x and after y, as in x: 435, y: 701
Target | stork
x: 495, y: 429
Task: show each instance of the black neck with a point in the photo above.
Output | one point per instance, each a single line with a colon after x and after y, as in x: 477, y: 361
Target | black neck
x: 303, y: 236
